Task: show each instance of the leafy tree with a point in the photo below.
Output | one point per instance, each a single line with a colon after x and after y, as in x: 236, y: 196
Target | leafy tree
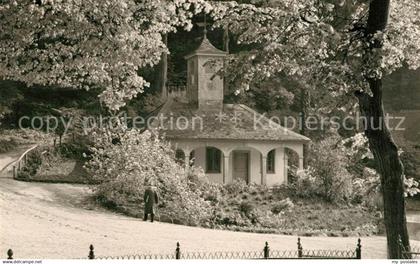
x: 87, y: 44
x: 341, y: 48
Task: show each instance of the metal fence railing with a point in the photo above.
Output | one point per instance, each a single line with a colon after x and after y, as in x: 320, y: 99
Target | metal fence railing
x: 413, y: 253
x: 265, y: 253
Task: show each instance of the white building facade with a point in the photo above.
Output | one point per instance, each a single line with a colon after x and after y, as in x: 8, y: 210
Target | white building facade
x: 228, y: 141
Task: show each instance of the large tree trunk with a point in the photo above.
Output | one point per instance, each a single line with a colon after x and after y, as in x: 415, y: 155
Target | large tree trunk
x: 382, y: 145
x: 162, y: 72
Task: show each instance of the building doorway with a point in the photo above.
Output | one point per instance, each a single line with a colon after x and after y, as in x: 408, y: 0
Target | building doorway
x: 241, y: 166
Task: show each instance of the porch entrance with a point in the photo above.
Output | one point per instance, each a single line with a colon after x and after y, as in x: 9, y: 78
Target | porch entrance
x: 241, y: 165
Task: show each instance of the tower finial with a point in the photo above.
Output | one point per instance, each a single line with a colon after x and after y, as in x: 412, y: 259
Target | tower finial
x: 205, y: 26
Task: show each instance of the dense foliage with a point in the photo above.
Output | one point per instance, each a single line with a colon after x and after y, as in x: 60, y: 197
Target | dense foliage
x: 31, y: 167
x: 319, y: 42
x: 327, y: 175
x: 88, y: 44
x: 7, y: 145
x: 121, y: 164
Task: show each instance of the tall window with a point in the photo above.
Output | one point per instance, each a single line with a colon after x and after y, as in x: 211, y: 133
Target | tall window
x: 271, y: 161
x: 213, y: 160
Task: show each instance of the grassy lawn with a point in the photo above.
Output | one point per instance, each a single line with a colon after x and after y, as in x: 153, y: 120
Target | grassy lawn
x: 261, y: 210
x: 64, y: 171
x: 279, y: 211
x: 320, y: 218
x: 60, y: 164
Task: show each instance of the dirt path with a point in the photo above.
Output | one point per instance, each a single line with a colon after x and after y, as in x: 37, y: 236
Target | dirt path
x: 39, y: 220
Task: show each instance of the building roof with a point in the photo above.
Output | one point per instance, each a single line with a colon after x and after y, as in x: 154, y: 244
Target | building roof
x: 179, y: 120
x: 206, y: 48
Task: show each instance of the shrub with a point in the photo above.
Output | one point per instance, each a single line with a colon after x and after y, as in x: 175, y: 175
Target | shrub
x: 246, y: 208
x: 236, y: 187
x: 121, y: 170
x: 411, y: 164
x: 305, y: 184
x: 33, y: 163
x: 72, y: 150
x: 367, y: 188
x: 329, y: 163
x: 281, y: 206
x: 210, y: 192
x: 327, y: 175
x: 230, y: 218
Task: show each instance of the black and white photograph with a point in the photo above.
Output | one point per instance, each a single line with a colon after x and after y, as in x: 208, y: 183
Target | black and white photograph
x: 170, y: 130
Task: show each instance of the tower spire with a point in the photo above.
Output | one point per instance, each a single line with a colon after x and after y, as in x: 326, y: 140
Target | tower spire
x: 205, y: 26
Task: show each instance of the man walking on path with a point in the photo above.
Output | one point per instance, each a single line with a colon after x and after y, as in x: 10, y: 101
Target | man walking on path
x: 150, y: 200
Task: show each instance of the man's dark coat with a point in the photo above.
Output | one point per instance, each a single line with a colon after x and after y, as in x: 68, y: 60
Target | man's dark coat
x: 150, y: 200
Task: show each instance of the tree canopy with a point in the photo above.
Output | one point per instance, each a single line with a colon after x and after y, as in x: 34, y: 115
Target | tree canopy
x: 319, y: 42
x: 87, y: 44
x: 104, y: 44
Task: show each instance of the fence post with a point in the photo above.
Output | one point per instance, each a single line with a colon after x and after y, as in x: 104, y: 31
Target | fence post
x: 266, y: 251
x: 300, y: 249
x: 10, y: 254
x: 14, y: 171
x: 359, y: 249
x: 177, y: 251
x: 91, y: 252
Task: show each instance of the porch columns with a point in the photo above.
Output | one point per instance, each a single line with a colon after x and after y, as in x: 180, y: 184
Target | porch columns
x: 226, y: 178
x: 300, y: 162
x: 264, y: 170
x: 286, y: 168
